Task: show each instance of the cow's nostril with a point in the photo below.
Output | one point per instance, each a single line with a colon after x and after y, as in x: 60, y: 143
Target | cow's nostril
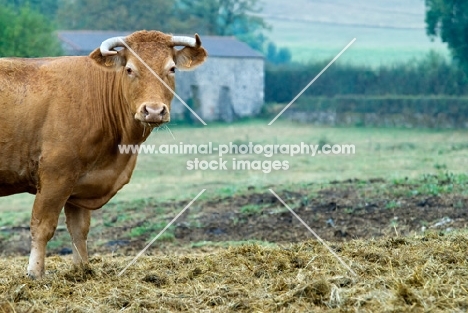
x: 144, y: 110
x: 163, y: 111
x: 154, y: 113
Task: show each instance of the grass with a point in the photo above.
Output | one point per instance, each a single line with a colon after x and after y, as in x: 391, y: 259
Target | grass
x: 392, y: 204
x: 373, y: 47
x: 251, y: 209
x: 57, y: 243
x: 425, y: 185
x: 8, y: 219
x: 148, y: 229
x: 380, y: 152
x: 419, y: 274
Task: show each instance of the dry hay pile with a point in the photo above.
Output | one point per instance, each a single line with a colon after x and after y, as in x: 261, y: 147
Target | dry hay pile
x: 405, y: 274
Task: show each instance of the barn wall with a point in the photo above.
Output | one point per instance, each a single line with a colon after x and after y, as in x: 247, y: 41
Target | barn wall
x: 222, y: 89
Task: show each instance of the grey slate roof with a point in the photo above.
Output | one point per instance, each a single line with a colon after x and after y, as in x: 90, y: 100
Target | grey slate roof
x: 228, y: 47
x: 82, y: 42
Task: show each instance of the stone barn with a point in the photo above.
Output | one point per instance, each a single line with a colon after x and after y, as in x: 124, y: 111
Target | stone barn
x: 229, y: 85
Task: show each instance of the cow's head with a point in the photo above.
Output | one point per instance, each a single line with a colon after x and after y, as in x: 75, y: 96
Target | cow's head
x: 147, y: 95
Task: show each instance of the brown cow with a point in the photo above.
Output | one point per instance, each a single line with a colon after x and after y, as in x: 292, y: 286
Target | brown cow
x: 62, y: 119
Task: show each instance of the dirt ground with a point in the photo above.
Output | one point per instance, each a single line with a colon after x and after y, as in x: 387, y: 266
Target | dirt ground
x: 340, y: 211
x: 336, y: 214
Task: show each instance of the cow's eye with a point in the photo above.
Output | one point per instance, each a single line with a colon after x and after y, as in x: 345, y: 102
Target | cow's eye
x: 172, y: 70
x: 129, y: 71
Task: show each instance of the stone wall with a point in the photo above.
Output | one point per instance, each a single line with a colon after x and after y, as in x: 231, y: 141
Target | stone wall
x: 409, y: 120
x: 222, y: 89
x: 391, y: 111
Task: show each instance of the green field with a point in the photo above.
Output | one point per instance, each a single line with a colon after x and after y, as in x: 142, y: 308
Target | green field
x: 312, y: 42
x: 380, y: 153
x: 387, y: 32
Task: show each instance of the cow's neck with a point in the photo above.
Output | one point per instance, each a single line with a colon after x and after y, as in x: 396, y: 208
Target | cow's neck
x: 116, y: 115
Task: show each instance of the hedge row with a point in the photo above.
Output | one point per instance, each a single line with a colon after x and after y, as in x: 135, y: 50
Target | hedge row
x: 431, y: 105
x: 430, y: 76
x: 391, y: 111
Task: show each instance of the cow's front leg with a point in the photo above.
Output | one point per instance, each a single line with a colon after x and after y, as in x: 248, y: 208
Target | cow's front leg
x: 78, y: 221
x: 44, y: 219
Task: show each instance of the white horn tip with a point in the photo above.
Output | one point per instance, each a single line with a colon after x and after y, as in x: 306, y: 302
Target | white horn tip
x: 108, y: 53
x: 109, y: 44
x: 184, y: 41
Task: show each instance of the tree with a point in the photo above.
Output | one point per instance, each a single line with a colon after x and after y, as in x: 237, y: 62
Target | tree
x: 448, y: 19
x: 237, y: 18
x: 47, y: 8
x: 26, y: 33
x: 226, y: 18
x: 117, y: 15
x: 275, y: 56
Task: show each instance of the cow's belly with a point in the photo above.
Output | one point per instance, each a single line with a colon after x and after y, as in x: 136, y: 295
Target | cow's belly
x: 96, y: 188
x: 8, y: 190
x: 95, y: 184
x: 12, y: 183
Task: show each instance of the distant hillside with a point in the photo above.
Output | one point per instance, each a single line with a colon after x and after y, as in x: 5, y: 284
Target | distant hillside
x: 387, y: 31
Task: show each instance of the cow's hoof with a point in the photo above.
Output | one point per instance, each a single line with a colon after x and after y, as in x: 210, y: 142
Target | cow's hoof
x: 34, y: 274
x: 31, y: 276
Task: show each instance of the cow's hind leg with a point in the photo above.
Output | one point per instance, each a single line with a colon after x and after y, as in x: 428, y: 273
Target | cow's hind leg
x: 78, y: 221
x: 44, y: 219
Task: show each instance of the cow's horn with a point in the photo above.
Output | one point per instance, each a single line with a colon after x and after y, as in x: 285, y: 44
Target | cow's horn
x: 186, y: 41
x: 109, y: 44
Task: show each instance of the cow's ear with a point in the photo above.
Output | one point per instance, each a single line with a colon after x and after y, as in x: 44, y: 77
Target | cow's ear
x: 110, y: 62
x: 190, y: 57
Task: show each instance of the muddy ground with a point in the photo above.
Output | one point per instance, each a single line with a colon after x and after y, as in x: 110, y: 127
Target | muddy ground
x: 338, y: 211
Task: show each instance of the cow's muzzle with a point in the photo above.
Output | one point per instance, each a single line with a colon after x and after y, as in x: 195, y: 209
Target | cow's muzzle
x: 153, y: 114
